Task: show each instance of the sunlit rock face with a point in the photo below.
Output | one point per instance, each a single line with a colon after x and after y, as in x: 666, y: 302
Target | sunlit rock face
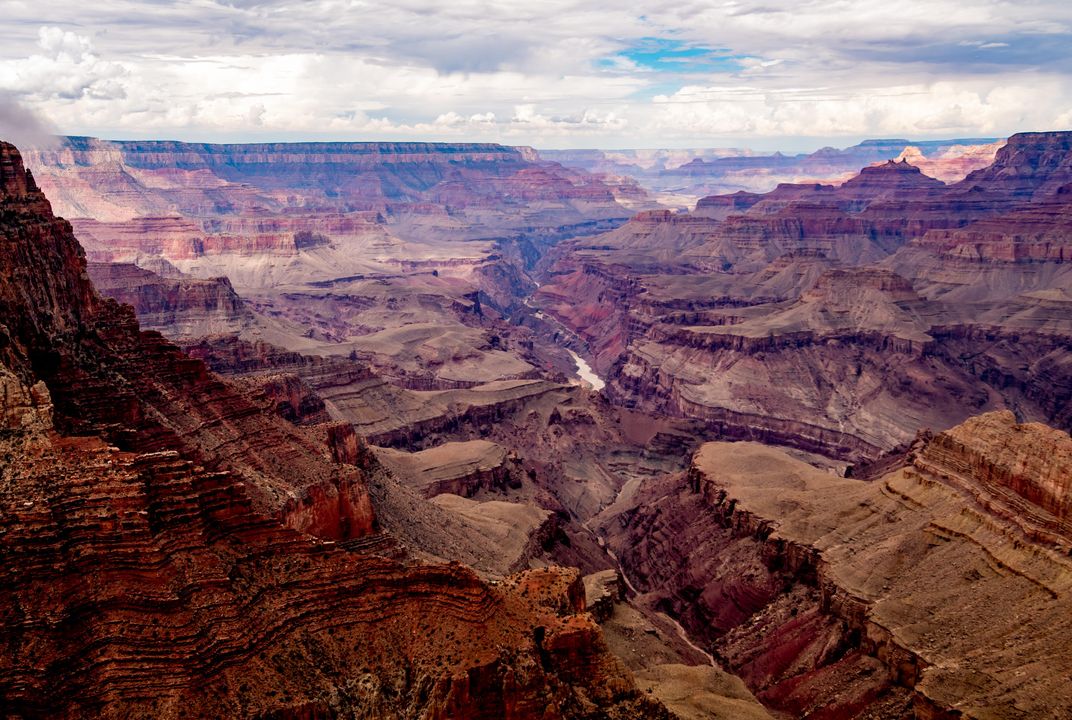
x: 876, y: 596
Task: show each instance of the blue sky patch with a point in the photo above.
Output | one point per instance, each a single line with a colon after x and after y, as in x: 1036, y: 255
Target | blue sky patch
x: 667, y: 55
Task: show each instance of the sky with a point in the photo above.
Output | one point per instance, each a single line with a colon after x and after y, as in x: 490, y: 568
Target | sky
x: 763, y: 74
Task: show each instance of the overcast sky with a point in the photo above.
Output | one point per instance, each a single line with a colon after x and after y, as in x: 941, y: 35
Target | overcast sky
x: 550, y: 73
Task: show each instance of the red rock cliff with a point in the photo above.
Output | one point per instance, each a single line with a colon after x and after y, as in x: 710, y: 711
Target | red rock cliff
x: 142, y: 573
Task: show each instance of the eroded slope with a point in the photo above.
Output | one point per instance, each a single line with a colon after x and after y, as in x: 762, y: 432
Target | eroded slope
x: 940, y: 589
x: 169, y: 545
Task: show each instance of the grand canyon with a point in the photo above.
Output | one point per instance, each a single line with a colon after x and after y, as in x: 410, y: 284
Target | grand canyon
x: 430, y: 430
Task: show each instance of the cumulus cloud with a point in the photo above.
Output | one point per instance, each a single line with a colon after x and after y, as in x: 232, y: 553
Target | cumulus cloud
x: 66, y: 67
x: 554, y: 73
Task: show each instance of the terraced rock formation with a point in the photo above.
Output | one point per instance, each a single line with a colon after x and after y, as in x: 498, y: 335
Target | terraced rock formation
x: 395, y: 398
x: 202, y: 206
x: 184, y: 308
x: 777, y: 318
x: 458, y: 468
x: 172, y: 549
x: 408, y: 255
x: 938, y: 589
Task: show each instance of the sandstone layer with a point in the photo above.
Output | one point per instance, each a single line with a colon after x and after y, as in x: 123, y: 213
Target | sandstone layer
x: 776, y: 316
x: 939, y: 589
x: 170, y: 547
x: 461, y: 468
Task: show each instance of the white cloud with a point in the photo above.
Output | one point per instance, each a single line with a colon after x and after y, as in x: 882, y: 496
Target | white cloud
x: 554, y: 73
x: 947, y: 107
x: 66, y: 68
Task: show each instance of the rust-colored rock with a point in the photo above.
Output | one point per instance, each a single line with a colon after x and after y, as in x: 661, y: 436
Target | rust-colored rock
x: 927, y: 592
x: 168, y: 544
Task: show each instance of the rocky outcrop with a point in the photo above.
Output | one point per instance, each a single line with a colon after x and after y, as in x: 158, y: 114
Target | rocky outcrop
x: 288, y: 396
x: 519, y: 533
x: 603, y: 590
x: 719, y: 207
x: 997, y: 259
x: 1029, y: 367
x: 994, y: 454
x: 184, y: 308
x: 230, y: 355
x: 854, y: 367
x: 16, y: 183
x: 346, y: 445
x: 863, y: 220
x: 1028, y: 166
x: 186, y: 240
x: 169, y: 547
x: 422, y: 414
x: 457, y: 468
x: 843, y: 597
x: 889, y: 179
x: 846, y: 394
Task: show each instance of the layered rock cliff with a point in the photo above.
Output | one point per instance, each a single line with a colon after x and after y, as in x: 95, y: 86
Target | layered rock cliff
x: 251, y: 198
x: 184, y: 308
x: 775, y: 317
x: 407, y: 256
x: 930, y: 592
x: 168, y: 545
x: 855, y: 366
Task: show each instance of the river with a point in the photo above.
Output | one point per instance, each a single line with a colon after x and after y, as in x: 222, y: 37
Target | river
x: 585, y: 372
